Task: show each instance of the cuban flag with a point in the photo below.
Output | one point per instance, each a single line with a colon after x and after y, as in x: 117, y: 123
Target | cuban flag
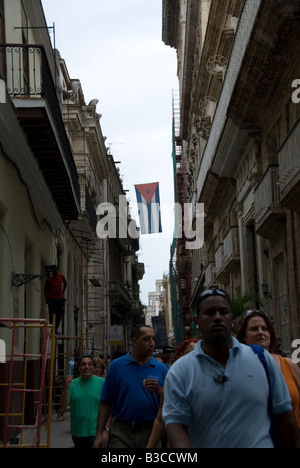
x: 149, y: 208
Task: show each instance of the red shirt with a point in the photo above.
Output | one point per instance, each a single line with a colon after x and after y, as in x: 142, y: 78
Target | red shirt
x: 55, y: 286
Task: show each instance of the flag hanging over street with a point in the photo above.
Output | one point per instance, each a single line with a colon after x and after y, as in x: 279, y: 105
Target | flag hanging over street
x: 149, y: 208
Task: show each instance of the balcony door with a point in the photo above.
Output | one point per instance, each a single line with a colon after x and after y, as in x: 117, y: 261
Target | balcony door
x: 26, y: 86
x: 2, y: 41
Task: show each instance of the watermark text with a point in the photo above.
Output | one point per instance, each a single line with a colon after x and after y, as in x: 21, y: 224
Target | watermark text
x: 115, y: 221
x: 2, y: 352
x: 296, y: 353
x: 296, y: 93
x: 2, y: 92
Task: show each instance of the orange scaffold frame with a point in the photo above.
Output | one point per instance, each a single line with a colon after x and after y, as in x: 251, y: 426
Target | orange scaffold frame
x: 14, y: 324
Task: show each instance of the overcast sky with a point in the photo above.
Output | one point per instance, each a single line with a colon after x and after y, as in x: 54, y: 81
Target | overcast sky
x: 114, y: 48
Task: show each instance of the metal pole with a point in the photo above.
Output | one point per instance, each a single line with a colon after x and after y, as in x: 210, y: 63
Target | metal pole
x: 42, y: 385
x: 9, y: 385
x: 53, y: 344
x: 24, y: 379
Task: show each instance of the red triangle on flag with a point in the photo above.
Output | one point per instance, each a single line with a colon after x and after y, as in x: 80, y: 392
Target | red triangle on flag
x: 147, y: 191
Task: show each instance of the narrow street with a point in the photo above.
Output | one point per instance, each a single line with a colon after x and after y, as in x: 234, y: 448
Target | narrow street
x: 180, y: 227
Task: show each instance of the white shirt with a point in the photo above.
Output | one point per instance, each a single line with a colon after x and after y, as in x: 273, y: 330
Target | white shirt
x: 229, y: 414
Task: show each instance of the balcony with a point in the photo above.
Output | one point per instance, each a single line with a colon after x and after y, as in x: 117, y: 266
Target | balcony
x: 30, y: 84
x: 289, y: 170
x: 87, y: 218
x: 140, y: 271
x: 210, y: 277
x: 270, y: 216
x: 222, y: 276
x: 119, y: 296
x: 232, y: 251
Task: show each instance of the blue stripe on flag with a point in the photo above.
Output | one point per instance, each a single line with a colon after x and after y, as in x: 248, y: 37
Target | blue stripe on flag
x: 150, y: 216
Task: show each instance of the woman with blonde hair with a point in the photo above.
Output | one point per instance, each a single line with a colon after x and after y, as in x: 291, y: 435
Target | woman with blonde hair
x: 100, y: 367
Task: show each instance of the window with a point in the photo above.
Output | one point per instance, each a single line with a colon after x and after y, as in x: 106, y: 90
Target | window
x: 2, y: 35
x: 2, y: 41
x: 24, y: 26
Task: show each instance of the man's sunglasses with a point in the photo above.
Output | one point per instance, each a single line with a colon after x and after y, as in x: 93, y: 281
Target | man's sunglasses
x: 213, y: 292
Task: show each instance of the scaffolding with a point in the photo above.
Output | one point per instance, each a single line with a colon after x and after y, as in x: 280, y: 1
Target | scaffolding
x: 64, y: 347
x: 180, y: 263
x: 17, y: 390
x: 55, y: 352
x: 94, y: 295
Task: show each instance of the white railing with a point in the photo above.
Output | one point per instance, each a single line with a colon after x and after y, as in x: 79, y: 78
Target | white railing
x: 231, y: 244
x: 267, y: 193
x: 219, y: 257
x: 289, y: 158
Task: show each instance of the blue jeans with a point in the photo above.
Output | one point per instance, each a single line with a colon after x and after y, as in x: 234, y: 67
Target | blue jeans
x: 55, y: 307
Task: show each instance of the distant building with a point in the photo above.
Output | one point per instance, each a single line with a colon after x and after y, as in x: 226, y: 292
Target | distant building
x: 154, y: 307
x: 159, y: 305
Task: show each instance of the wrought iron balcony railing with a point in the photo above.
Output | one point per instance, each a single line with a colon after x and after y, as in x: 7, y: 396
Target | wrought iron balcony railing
x: 22, y: 65
x: 27, y: 74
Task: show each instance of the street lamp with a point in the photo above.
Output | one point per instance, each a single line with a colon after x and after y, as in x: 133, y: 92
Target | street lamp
x: 18, y: 279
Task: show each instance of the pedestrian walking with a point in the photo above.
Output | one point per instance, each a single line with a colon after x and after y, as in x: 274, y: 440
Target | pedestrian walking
x: 217, y: 395
x: 83, y: 395
x: 54, y: 290
x: 131, y: 394
x: 256, y: 328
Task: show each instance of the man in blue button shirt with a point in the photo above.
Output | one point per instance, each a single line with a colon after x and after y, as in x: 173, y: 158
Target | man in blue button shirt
x: 131, y: 394
x: 217, y: 395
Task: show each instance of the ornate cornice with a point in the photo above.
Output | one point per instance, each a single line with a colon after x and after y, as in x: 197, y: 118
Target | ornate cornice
x: 170, y: 15
x: 242, y: 38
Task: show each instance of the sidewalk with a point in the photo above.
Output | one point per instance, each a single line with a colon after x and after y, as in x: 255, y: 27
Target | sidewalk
x: 60, y: 433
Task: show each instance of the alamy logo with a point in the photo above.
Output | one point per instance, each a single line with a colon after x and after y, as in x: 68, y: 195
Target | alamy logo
x: 2, y: 352
x: 296, y: 353
x: 2, y: 92
x: 189, y: 222
x: 296, y: 94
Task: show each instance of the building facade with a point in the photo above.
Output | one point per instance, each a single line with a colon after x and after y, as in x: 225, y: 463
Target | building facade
x: 160, y: 305
x: 155, y: 306
x: 238, y: 67
x: 55, y: 172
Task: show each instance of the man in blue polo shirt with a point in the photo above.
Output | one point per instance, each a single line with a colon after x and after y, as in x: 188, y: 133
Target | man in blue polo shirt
x: 217, y: 395
x: 131, y: 394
